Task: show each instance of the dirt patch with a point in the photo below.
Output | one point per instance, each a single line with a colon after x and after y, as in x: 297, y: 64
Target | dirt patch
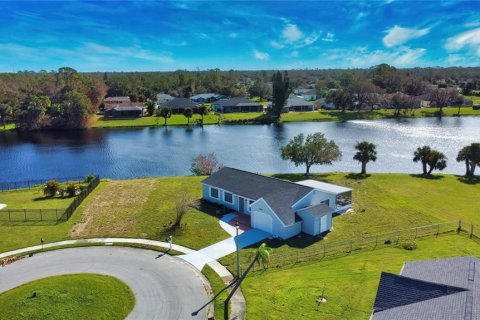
x: 115, y: 209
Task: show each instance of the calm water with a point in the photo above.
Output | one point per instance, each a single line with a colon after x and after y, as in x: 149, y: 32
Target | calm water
x: 125, y: 153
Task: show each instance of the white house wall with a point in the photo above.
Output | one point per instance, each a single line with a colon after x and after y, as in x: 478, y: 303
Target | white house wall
x: 278, y: 228
x: 309, y: 222
x: 221, y: 196
x: 316, y: 197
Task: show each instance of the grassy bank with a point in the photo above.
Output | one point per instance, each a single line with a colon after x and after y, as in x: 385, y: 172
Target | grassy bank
x: 77, y: 296
x: 322, y: 115
x: 9, y: 126
x: 349, y: 283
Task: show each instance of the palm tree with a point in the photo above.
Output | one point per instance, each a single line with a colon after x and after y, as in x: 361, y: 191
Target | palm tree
x: 366, y: 152
x: 421, y: 154
x: 471, y: 155
x: 428, y: 156
x: 463, y: 155
x: 262, y: 256
x: 188, y: 112
x: 165, y: 113
x: 203, y: 111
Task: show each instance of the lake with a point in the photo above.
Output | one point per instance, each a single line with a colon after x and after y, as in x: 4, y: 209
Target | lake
x: 127, y: 153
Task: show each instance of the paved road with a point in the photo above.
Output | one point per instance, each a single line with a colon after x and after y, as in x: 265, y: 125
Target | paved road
x: 165, y: 287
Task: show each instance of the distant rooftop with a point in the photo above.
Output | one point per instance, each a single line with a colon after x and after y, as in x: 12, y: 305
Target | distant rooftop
x: 117, y: 99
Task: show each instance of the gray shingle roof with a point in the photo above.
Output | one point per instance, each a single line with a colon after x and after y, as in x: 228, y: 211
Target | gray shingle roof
x: 317, y: 210
x: 180, y: 103
x: 293, y: 100
x: 236, y: 102
x: 444, y: 289
x: 279, y: 194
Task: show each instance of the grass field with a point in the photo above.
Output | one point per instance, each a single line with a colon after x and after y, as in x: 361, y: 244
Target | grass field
x: 322, y: 115
x: 77, y: 296
x: 387, y: 202
x: 9, y: 126
x: 32, y: 199
x: 218, y: 288
x: 144, y: 208
x: 350, y: 283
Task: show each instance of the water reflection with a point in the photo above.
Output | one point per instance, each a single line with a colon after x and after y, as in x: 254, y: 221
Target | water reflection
x: 123, y: 153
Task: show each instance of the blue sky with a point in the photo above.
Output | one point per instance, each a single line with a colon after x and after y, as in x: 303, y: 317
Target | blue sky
x: 171, y: 35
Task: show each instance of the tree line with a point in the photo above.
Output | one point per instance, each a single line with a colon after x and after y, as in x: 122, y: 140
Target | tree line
x: 66, y: 98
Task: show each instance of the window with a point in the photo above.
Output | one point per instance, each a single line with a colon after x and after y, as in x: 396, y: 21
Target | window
x: 327, y: 202
x: 228, y: 197
x: 214, y: 193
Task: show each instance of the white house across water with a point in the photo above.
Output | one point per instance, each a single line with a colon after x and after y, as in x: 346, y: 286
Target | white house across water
x: 279, y: 207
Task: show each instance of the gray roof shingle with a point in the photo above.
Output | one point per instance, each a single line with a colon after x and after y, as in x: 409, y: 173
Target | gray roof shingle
x: 443, y: 289
x: 237, y: 102
x: 279, y: 194
x: 180, y: 103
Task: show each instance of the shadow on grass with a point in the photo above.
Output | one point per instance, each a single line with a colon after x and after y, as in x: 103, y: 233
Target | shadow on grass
x: 194, y: 313
x: 469, y: 180
x: 426, y: 176
x: 300, y: 241
x: 357, y: 176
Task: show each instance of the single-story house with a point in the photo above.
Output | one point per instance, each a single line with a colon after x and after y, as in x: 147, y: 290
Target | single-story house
x: 276, y: 206
x: 178, y: 105
x: 163, y: 98
x: 125, y: 111
x: 442, y: 289
x: 237, y: 105
x: 295, y: 103
x: 205, y: 97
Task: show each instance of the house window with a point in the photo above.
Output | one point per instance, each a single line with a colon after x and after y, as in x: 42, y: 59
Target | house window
x: 327, y: 202
x: 214, y: 193
x: 228, y: 197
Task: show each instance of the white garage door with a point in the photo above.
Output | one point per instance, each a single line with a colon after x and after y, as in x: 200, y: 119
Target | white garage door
x: 262, y: 221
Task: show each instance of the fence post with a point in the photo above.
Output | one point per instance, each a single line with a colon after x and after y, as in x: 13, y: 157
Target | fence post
x: 376, y: 241
x: 324, y: 250
x: 25, y: 213
x: 438, y: 229
x: 41, y: 215
x: 351, y: 246
x: 471, y: 231
x: 9, y: 216
x: 416, y: 231
x: 459, y: 226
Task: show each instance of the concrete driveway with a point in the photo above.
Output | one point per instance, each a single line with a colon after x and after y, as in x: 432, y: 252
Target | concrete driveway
x: 165, y: 287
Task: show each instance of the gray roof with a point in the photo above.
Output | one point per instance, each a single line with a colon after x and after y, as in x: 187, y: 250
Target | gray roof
x: 236, y: 102
x: 180, y: 103
x: 279, y: 194
x: 204, y: 96
x: 293, y: 100
x: 323, y: 186
x: 317, y: 210
x: 444, y: 289
x: 128, y: 108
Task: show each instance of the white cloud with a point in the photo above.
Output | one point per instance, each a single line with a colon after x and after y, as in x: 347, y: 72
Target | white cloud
x: 310, y: 39
x: 469, y: 39
x: 397, y: 35
x: 261, y: 55
x: 276, y: 44
x: 294, y: 54
x: 291, y: 33
x: 329, y: 37
x: 361, y: 57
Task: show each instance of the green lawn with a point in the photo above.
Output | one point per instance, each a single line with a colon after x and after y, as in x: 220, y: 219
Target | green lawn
x: 32, y: 199
x: 175, y: 120
x: 76, y: 296
x: 384, y: 203
x: 145, y: 208
x: 219, y: 290
x: 9, y: 126
x: 350, y: 282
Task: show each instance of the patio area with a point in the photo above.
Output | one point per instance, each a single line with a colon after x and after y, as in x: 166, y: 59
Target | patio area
x: 230, y: 220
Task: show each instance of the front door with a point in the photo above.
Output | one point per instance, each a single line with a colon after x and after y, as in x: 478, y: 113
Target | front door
x: 241, y: 205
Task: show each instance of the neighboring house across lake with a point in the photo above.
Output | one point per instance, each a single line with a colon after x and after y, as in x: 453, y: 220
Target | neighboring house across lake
x: 206, y: 97
x: 124, y: 110
x: 295, y: 103
x: 163, y: 98
x: 237, y: 105
x: 178, y: 105
x: 443, y: 289
x: 276, y: 206
x: 117, y: 100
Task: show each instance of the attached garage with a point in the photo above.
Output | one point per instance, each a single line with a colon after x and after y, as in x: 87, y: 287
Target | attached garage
x: 262, y: 221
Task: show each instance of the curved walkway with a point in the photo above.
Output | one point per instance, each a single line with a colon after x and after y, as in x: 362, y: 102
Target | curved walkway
x: 238, y: 305
x: 165, y: 287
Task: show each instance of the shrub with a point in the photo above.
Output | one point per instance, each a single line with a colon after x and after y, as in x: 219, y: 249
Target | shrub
x: 71, y: 190
x: 388, y: 241
x: 409, y: 246
x: 89, y: 178
x: 51, y: 188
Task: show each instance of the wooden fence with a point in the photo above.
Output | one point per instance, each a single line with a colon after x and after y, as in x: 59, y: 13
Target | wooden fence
x: 346, y: 247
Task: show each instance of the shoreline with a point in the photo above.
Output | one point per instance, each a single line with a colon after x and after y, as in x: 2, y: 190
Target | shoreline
x: 258, y: 119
